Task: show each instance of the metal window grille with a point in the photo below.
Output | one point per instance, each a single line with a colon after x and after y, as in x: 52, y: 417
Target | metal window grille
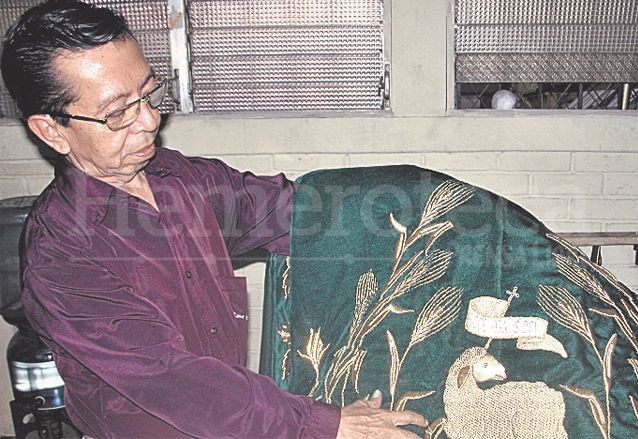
x: 278, y: 55
x: 556, y: 46
x: 149, y: 21
x: 9, y: 12
x: 229, y: 56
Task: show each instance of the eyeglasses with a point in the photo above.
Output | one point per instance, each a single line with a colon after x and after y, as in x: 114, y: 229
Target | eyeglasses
x: 127, y: 115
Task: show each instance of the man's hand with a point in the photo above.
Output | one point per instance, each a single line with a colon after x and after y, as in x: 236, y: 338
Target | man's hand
x: 366, y: 420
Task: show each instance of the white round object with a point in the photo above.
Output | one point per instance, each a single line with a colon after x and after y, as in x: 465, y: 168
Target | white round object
x: 503, y: 100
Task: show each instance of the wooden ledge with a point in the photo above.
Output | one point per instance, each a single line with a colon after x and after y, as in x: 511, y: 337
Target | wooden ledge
x: 581, y: 239
x: 600, y: 239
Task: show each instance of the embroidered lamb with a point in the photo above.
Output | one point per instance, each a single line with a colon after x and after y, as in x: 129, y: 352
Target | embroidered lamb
x: 510, y: 410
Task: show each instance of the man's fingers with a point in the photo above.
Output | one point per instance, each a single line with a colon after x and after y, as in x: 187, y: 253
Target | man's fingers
x: 376, y: 399
x: 408, y: 418
x: 361, y: 420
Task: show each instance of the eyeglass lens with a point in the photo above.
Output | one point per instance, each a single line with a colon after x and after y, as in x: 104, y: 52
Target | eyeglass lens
x: 156, y: 97
x: 124, y: 117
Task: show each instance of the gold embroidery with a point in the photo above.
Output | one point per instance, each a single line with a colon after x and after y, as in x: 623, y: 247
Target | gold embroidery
x: 486, y: 318
x: 341, y: 373
x: 634, y: 364
x: 447, y: 196
x: 410, y: 396
x: 373, y: 305
x: 517, y: 409
x: 394, y: 365
x: 284, y: 333
x: 367, y: 288
x: 562, y: 306
x: 421, y: 268
x: 628, y: 300
x: 314, y: 352
x: 442, y: 309
x: 285, y: 279
x: 434, y: 429
x: 634, y: 405
x: 285, y: 365
x: 579, y: 276
x: 594, y: 405
x: 356, y: 368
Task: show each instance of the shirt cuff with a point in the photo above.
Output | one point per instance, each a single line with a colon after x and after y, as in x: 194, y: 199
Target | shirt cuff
x: 324, y: 423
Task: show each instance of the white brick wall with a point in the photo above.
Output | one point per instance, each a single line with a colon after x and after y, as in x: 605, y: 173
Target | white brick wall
x: 532, y: 161
x: 605, y: 162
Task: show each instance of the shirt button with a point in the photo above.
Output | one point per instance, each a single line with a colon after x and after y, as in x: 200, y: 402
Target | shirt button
x: 188, y: 274
x: 213, y: 331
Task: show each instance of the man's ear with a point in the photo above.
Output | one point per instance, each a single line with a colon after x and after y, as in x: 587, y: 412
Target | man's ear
x: 48, y: 130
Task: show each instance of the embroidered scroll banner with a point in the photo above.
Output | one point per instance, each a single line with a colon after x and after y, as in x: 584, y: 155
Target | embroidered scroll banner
x: 485, y: 319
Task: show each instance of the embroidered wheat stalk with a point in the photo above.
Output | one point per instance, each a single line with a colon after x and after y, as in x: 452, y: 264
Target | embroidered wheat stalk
x: 439, y: 311
x: 424, y: 271
x: 579, y: 276
x: 313, y: 354
x: 285, y: 279
x: 634, y: 364
x: 634, y: 405
x: 284, y: 334
x: 422, y: 267
x: 367, y: 288
x: 447, y: 196
x: 594, y: 405
x: 628, y: 300
x: 562, y: 306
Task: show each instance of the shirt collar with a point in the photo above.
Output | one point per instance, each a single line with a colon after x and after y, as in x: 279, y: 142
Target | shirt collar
x: 160, y: 166
x: 93, y: 196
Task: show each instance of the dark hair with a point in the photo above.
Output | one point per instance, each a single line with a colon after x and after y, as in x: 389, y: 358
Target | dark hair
x: 36, y: 38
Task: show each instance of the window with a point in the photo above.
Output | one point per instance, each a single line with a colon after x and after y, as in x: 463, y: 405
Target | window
x: 563, y: 54
x: 263, y: 55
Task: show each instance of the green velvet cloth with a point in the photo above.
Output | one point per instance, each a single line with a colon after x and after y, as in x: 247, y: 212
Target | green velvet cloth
x: 376, y: 295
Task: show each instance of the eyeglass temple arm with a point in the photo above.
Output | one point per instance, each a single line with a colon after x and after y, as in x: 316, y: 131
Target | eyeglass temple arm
x: 73, y: 116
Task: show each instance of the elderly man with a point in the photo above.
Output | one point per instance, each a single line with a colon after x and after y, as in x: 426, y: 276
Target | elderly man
x: 127, y: 273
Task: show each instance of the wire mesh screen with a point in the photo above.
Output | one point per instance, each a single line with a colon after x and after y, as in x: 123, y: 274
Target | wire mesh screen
x: 548, y: 96
x: 546, y: 41
x: 148, y: 20
x: 282, y: 55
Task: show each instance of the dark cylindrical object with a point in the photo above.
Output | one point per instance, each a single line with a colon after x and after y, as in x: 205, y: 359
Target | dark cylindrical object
x: 13, y: 212
x: 34, y: 377
x: 37, y: 387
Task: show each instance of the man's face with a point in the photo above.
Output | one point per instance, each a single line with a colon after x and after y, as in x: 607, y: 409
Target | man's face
x: 105, y: 79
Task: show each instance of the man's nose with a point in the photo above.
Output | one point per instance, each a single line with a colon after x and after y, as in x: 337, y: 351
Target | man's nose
x: 148, y: 118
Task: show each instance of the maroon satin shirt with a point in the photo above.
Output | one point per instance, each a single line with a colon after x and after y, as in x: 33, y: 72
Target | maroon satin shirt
x: 142, y: 310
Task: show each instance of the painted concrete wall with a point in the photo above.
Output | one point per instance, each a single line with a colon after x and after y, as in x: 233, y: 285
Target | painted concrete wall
x: 576, y: 171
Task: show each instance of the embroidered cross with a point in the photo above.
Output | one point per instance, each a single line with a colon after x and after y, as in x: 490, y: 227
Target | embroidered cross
x: 512, y: 295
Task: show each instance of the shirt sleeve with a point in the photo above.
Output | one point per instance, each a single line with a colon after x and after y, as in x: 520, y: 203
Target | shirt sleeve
x: 95, y: 321
x: 252, y: 211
